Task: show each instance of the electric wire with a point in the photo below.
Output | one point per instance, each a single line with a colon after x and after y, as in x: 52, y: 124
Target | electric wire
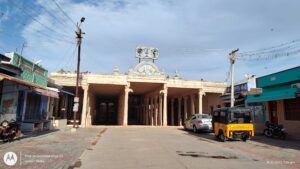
x: 36, y: 20
x: 66, y: 57
x: 70, y: 60
x: 273, y: 47
x: 58, y: 6
x: 285, y: 49
x: 56, y: 18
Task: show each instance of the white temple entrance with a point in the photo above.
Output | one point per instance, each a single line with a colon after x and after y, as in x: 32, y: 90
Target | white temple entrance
x: 103, y: 103
x: 143, y: 96
x: 144, y: 107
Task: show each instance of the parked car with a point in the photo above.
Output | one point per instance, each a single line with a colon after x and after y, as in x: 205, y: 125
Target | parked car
x: 198, y: 122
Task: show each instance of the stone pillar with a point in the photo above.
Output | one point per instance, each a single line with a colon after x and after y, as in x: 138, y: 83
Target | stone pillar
x: 172, y: 111
x: 84, y: 105
x: 165, y: 111
x: 160, y: 111
x: 151, y: 111
x: 185, y: 107
x: 179, y: 111
x: 192, y: 104
x: 120, y: 109
x: 147, y: 111
x: 200, y: 94
x: 126, y: 95
x: 144, y: 117
x: 155, y: 110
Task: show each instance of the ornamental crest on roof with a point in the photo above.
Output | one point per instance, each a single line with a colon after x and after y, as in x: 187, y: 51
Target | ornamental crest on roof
x: 146, y: 65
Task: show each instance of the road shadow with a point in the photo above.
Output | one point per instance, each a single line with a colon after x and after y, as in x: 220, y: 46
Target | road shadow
x: 201, y: 135
x: 27, y: 135
x: 257, y: 139
x: 288, y: 143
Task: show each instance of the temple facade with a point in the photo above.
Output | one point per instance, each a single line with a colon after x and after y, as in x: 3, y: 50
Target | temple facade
x: 143, y: 96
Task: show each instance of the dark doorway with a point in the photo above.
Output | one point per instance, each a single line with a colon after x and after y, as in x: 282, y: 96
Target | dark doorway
x: 273, y: 112
x: 106, y: 111
x: 135, y: 110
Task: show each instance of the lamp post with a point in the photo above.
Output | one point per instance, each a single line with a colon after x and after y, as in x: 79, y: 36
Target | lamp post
x: 76, y: 99
x: 232, y: 58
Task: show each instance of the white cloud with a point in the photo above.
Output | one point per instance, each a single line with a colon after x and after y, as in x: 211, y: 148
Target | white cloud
x: 193, y: 36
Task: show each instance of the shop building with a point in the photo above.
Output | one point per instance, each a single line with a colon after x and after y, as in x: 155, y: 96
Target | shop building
x: 281, y: 99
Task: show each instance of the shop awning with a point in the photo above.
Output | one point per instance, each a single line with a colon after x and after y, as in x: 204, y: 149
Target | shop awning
x: 66, y: 92
x: 279, y: 94
x: 36, y: 88
x: 48, y: 93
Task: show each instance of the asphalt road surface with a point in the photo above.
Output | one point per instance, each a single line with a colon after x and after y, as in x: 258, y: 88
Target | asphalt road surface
x: 174, y: 148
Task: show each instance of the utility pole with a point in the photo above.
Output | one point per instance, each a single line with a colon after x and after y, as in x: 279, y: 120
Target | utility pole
x: 76, y: 99
x: 23, y: 46
x: 232, y: 58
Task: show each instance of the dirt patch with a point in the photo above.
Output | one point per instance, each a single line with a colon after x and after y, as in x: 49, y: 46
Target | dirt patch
x: 204, y: 155
x: 94, y: 142
x: 103, y: 131
x: 98, y: 136
x: 207, y: 140
x: 77, y: 164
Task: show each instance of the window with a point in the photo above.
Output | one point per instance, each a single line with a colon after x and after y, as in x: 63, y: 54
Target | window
x: 193, y: 117
x: 240, y: 117
x: 223, y: 117
x: 292, y: 109
x: 205, y: 116
x: 216, y: 116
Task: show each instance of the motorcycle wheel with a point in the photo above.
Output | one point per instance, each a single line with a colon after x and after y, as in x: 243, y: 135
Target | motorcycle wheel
x: 283, y: 136
x: 268, y: 133
x: 12, y: 136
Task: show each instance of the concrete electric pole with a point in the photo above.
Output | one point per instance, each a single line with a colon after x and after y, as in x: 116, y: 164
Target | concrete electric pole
x: 232, y: 58
x: 76, y: 99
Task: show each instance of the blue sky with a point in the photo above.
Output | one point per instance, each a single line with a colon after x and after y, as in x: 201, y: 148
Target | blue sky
x: 194, y: 37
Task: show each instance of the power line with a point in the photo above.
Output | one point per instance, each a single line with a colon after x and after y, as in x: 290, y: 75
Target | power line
x: 282, y: 50
x: 36, y: 20
x: 281, y: 46
x: 270, y: 56
x: 274, y: 50
x: 58, y: 6
x: 57, y: 19
x: 53, y: 38
x: 67, y: 57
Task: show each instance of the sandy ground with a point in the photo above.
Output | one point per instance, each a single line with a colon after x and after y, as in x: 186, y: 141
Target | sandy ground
x: 147, y: 147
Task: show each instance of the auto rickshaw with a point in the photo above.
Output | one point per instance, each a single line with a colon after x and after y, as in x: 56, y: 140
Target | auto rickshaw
x: 232, y: 123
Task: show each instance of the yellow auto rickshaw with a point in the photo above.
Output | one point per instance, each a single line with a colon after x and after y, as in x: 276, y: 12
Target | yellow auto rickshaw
x: 232, y: 123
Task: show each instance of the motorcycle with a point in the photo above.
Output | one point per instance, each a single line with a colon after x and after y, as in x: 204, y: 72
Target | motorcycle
x: 275, y: 130
x: 9, y: 130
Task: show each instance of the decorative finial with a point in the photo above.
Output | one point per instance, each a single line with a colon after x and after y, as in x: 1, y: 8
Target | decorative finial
x: 116, y: 70
x: 176, y: 75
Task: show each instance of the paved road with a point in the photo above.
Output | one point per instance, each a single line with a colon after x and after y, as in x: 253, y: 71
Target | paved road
x: 49, y: 150
x: 163, y: 148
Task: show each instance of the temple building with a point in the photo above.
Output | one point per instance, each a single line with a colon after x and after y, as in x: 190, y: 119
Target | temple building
x: 143, y: 96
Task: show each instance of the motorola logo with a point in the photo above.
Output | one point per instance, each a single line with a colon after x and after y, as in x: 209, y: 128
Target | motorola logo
x: 10, y: 158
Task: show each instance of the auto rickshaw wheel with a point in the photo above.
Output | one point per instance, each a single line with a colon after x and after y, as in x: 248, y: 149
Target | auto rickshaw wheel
x: 221, y: 136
